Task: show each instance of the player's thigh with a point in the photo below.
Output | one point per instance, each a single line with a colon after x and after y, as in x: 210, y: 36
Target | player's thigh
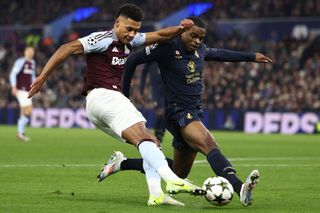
x: 26, y: 110
x: 198, y: 137
x: 182, y: 161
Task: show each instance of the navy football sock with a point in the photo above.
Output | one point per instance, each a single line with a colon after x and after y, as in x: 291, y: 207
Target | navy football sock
x: 222, y: 167
x: 136, y: 164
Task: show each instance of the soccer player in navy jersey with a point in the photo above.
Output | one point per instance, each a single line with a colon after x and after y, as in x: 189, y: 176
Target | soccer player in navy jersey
x: 181, y: 62
x: 22, y: 75
x: 107, y: 108
x: 158, y: 97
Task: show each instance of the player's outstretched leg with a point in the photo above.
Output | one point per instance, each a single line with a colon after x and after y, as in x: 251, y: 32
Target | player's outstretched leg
x: 112, y: 166
x: 246, y: 197
x: 163, y: 199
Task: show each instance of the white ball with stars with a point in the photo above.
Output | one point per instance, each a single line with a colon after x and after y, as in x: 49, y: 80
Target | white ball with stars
x: 219, y: 190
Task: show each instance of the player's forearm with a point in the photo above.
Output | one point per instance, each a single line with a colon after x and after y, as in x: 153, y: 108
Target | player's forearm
x: 58, y: 57
x: 163, y: 34
x: 229, y: 55
x: 133, y: 61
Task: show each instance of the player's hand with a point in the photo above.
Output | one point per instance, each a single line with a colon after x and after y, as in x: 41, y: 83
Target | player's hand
x: 260, y: 58
x: 36, y: 86
x: 14, y: 91
x: 186, y: 24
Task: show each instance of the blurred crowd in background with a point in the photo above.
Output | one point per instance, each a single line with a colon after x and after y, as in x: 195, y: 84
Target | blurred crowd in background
x: 39, y: 11
x: 290, y: 83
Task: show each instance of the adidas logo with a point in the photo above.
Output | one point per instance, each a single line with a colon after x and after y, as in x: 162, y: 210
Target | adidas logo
x: 115, y: 50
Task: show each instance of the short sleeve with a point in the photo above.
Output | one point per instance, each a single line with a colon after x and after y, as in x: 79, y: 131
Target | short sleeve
x: 138, y: 40
x: 96, y: 42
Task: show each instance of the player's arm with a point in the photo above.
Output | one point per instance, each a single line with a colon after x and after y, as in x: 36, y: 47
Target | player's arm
x: 13, y: 75
x: 64, y: 51
x: 139, y: 57
x: 143, y: 78
x: 168, y: 33
x: 215, y: 54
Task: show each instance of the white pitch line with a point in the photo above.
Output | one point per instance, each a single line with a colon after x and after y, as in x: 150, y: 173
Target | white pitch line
x: 197, y: 162
x: 265, y: 159
x: 268, y: 165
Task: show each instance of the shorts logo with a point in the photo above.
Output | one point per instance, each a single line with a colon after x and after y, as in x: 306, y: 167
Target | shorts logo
x: 189, y: 116
x: 118, y: 61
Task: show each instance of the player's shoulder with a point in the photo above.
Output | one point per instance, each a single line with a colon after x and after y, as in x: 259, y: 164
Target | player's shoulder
x: 20, y: 60
x: 97, y: 41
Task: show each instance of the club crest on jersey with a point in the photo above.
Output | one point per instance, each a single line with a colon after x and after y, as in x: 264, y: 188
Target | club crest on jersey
x: 191, y: 66
x: 126, y: 50
x: 177, y: 56
x: 118, y: 61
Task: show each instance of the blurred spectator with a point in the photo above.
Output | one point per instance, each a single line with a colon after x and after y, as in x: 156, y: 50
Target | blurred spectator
x: 18, y: 12
x: 290, y: 83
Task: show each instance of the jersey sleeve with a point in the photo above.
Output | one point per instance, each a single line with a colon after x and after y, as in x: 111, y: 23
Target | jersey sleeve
x: 215, y: 54
x: 96, y: 42
x: 150, y: 53
x: 15, y: 71
x: 138, y: 40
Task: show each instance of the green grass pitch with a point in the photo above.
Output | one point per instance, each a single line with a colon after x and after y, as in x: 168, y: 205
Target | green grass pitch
x: 56, y: 172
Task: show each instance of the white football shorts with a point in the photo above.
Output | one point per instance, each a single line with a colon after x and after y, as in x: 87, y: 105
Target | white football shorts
x: 23, y: 99
x: 111, y: 111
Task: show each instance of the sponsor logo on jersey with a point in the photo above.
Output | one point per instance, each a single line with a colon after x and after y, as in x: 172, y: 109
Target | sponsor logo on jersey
x: 118, y: 61
x: 177, y: 56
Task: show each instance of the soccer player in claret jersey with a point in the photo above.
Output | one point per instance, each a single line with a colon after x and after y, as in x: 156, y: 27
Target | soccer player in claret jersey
x: 107, y: 108
x: 181, y: 62
x: 22, y: 75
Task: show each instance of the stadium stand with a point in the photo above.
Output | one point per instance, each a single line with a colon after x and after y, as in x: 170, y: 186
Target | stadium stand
x: 294, y: 75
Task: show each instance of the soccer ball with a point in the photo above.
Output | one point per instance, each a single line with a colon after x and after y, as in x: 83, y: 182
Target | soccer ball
x: 219, y: 190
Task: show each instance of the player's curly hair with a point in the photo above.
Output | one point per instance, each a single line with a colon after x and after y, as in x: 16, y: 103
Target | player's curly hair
x: 199, y: 22
x: 131, y: 11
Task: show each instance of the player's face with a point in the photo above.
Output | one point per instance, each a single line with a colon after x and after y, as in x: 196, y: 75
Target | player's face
x: 193, y: 38
x: 126, y: 29
x: 29, y: 52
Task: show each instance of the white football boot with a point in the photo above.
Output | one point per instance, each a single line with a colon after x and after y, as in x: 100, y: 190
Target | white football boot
x: 247, y: 187
x: 112, y: 166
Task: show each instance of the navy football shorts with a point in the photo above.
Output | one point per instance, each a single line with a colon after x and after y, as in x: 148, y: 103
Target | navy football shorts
x: 178, y: 117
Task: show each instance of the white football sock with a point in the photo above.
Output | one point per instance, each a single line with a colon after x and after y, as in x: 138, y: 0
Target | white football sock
x: 153, y: 180
x: 156, y: 159
x: 22, y: 122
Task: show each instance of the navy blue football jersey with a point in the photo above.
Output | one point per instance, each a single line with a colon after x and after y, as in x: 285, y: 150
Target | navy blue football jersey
x: 181, y: 70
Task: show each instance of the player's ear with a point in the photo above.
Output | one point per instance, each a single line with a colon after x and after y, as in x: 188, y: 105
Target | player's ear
x: 117, y: 22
